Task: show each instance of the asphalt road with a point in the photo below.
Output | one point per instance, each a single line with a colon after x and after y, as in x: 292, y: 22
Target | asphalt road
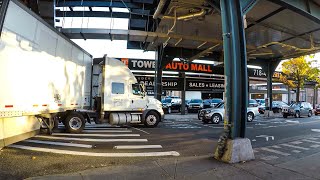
x: 274, y: 140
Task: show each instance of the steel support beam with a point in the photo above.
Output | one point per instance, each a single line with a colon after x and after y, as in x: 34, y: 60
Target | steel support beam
x: 104, y: 14
x: 309, y: 10
x: 235, y: 67
x: 183, y: 93
x: 158, y: 73
x: 105, y: 4
x: 269, y: 85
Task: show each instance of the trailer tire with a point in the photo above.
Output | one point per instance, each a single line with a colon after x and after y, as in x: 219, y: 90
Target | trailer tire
x: 152, y: 119
x: 75, y: 122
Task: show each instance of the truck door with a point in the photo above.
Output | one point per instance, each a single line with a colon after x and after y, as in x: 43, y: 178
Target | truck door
x: 119, y: 97
x: 137, y: 98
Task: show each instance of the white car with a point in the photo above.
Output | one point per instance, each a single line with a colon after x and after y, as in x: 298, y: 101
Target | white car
x: 215, y: 115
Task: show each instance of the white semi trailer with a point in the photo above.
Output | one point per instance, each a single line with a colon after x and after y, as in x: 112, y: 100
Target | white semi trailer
x: 45, y: 78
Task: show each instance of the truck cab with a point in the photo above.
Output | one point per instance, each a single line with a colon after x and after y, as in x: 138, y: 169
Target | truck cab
x: 122, y: 99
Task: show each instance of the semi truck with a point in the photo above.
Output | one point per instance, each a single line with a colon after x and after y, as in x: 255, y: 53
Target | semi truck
x: 46, y: 79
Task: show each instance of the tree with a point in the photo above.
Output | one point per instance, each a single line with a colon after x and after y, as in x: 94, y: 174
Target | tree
x: 296, y: 72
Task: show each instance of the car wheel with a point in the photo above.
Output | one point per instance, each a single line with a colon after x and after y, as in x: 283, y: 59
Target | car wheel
x: 169, y: 110
x: 297, y: 114
x: 179, y: 109
x: 74, y: 122
x: 152, y: 119
x: 250, y: 117
x: 309, y: 114
x: 216, y: 118
x: 285, y: 116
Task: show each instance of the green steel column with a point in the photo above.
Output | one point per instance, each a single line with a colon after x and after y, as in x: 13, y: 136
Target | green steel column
x: 235, y: 67
x: 158, y: 74
x: 269, y: 83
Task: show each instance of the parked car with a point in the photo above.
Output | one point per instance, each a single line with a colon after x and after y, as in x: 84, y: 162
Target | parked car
x: 277, y: 107
x: 169, y: 104
x: 215, y: 115
x: 210, y: 103
x: 317, y: 110
x: 297, y: 110
x: 195, y: 105
x: 260, y: 101
x: 253, y: 103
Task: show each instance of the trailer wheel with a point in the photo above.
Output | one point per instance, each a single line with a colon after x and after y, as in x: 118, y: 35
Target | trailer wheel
x: 152, y: 119
x: 74, y: 122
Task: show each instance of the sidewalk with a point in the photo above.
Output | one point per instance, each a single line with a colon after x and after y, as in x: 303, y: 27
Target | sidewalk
x: 202, y: 167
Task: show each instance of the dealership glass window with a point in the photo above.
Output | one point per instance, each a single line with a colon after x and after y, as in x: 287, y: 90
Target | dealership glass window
x: 117, y: 88
x: 257, y: 96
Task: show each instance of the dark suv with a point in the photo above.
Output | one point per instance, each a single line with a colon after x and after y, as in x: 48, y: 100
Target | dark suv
x: 297, y: 110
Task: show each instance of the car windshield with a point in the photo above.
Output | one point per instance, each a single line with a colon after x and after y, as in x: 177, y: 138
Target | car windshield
x: 219, y: 105
x: 166, y: 101
x: 216, y: 100
x: 295, y: 105
x: 207, y: 101
x: 252, y: 101
x: 196, y: 101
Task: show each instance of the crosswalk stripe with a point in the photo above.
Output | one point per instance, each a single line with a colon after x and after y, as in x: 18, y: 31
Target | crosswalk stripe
x: 315, y: 146
x: 268, y: 158
x: 313, y: 138
x: 296, y: 151
x: 293, y: 146
x: 306, y: 140
x: 275, y: 151
x: 96, y: 135
x: 296, y: 142
x: 92, y: 140
x: 59, y: 143
x: 275, y: 146
x: 79, y: 153
x: 137, y: 147
x: 105, y: 131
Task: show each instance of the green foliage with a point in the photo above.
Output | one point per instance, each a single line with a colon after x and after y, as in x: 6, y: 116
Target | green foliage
x: 297, y: 71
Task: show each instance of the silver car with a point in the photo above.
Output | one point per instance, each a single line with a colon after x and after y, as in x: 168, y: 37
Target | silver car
x: 216, y: 114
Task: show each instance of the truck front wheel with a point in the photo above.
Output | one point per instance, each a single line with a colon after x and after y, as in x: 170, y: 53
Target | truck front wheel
x: 152, y: 119
x: 75, y: 122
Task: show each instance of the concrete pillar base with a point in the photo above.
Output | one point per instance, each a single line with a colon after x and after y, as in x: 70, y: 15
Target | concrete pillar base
x: 268, y: 114
x: 237, y: 150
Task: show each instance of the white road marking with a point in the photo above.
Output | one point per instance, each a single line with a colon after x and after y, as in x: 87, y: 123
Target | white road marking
x: 137, y: 147
x: 79, y: 153
x: 140, y: 130
x: 96, y: 135
x: 306, y: 140
x: 315, y: 146
x: 315, y: 130
x: 59, y: 143
x: 107, y: 128
x: 253, y: 140
x: 268, y: 158
x: 92, y: 140
x: 292, y: 121
x: 275, y: 151
x: 296, y: 142
x: 105, y: 131
x: 313, y: 138
x: 255, y: 151
x: 293, y: 146
x: 277, y: 147
x: 295, y: 151
x: 266, y: 137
